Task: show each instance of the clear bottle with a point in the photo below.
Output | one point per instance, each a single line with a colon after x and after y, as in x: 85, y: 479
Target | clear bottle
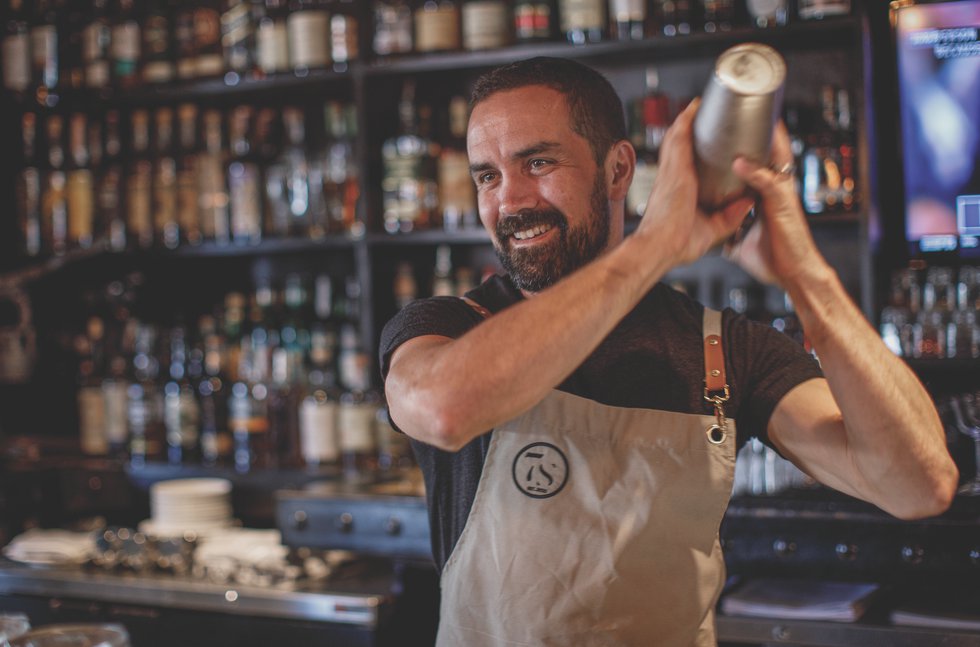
x: 296, y: 166
x: 319, y: 444
x: 357, y: 411
x: 139, y: 180
x: 16, y: 47
x: 44, y: 44
x: 272, y: 38
x: 437, y: 26
x: 308, y: 25
x: 409, y: 186
x: 486, y: 24
x: 392, y: 28
x: 582, y: 21
x: 125, y: 46
x: 144, y: 411
x: 91, y: 402
x: 457, y: 194
x: 28, y: 189
x: 340, y: 180
x: 158, y: 58
x: 80, y: 185
x: 344, y: 41
x: 212, y: 189
x: 181, y: 412
x: 166, y: 224
x: 244, y: 179
x: 96, y: 40
x: 185, y: 51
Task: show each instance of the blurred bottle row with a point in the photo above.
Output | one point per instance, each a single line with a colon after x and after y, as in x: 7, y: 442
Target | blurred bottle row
x: 822, y: 135
x: 53, y: 44
x: 182, y: 175
x: 276, y: 378
x: 933, y: 313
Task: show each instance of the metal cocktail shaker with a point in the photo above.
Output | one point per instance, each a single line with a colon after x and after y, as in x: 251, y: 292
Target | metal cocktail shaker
x: 739, y: 108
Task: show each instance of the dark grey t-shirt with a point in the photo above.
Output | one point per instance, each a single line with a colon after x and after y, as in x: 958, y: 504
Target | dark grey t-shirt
x: 653, y: 359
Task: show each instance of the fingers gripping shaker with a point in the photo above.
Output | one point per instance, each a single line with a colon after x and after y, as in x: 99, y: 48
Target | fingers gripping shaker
x: 739, y: 108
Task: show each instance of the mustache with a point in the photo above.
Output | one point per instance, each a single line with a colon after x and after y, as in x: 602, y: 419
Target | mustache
x: 529, y: 218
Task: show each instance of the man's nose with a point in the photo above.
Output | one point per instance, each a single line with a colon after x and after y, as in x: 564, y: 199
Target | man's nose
x: 516, y: 193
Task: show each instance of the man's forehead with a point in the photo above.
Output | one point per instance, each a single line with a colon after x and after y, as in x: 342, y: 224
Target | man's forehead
x: 520, y: 116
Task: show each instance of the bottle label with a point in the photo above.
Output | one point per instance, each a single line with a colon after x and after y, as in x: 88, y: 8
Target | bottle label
x: 343, y: 37
x: 272, y: 39
x: 484, y: 24
x: 126, y: 48
x: 213, y: 199
x: 532, y: 20
x: 393, y: 29
x: 318, y: 431
x: 436, y: 29
x: 92, y: 421
x: 628, y: 10
x: 139, y: 207
x: 114, y: 394
x: 246, y: 200
x: 17, y: 62
x: 355, y: 424
x: 309, y: 39
x: 582, y: 15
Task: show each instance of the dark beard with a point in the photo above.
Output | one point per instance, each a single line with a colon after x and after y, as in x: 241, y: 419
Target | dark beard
x: 535, y: 269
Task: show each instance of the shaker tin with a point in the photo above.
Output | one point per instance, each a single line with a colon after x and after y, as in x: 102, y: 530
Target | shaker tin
x: 739, y: 109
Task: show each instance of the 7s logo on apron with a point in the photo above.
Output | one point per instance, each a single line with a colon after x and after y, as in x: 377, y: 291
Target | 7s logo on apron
x: 540, y: 470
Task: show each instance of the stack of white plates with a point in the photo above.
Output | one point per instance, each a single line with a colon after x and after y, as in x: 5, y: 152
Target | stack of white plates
x: 189, y: 505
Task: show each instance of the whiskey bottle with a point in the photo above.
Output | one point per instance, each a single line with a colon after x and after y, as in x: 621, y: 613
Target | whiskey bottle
x: 158, y: 56
x: 457, y: 194
x: 28, y: 190
x: 356, y: 414
x: 80, y: 185
x: 181, y: 413
x: 165, y: 225
x: 54, y: 204
x: 486, y: 24
x: 340, y: 184
x: 239, y: 20
x: 208, y: 55
x: 437, y: 27
x: 188, y: 224
x: 582, y: 21
x: 409, y: 186
x: 308, y: 25
x: 534, y: 20
x: 392, y: 28
x: 272, y: 38
x: 110, y: 185
x: 212, y: 191
x: 344, y: 43
x: 96, y: 40
x: 628, y: 18
x: 44, y: 44
x: 216, y: 443
x: 296, y: 172
x: 91, y: 402
x: 244, y: 180
x: 144, y: 411
x: 319, y: 444
x: 654, y: 116
x: 16, y: 47
x: 125, y: 44
x: 139, y: 198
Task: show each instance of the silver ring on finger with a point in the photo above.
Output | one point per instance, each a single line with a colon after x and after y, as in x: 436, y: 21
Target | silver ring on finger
x: 787, y: 170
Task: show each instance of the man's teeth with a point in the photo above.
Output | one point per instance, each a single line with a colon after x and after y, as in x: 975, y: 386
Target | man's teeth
x: 532, y: 232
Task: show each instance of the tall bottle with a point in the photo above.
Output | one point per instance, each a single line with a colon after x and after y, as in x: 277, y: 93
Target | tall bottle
x: 110, y: 190
x: 319, y: 444
x: 392, y: 28
x: 144, y: 410
x: 166, y: 226
x: 296, y: 166
x: 357, y: 411
x: 188, y: 222
x: 212, y: 190
x: 216, y: 442
x: 272, y: 38
x: 308, y: 25
x: 126, y: 44
x: 44, y: 44
x: 628, y: 19
x: 457, y: 194
x: 673, y: 16
x: 248, y: 416
x: 80, y: 185
x: 96, y: 40
x: 91, y: 402
x: 239, y: 20
x: 244, y: 179
x: 28, y: 190
x: 158, y: 61
x: 341, y: 188
x: 16, y: 47
x: 654, y: 117
x: 486, y: 24
x: 437, y: 26
x: 209, y: 60
x: 409, y: 186
x: 181, y: 413
x: 344, y: 40
x: 582, y: 21
x: 139, y: 198
x: 54, y: 203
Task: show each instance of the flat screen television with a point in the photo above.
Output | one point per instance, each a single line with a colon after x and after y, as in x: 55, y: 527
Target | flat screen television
x: 938, y: 49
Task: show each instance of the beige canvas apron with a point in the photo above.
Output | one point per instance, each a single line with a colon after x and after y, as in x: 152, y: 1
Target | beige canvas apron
x: 594, y: 525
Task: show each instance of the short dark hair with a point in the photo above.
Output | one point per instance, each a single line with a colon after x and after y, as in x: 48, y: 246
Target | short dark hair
x: 595, y: 108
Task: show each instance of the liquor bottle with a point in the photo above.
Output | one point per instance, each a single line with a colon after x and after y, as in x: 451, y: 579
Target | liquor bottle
x: 319, y: 444
x: 158, y: 61
x: 144, y: 411
x: 181, y: 413
x: 80, y: 185
x: 457, y: 194
x: 357, y: 410
x: 28, y: 189
x: 188, y: 224
x: 628, y: 19
x: 394, y: 450
x: 582, y: 21
x: 139, y: 198
x: 72, y: 61
x: 271, y: 137
x: 272, y: 38
x: 654, y: 117
x: 239, y: 21
x: 125, y: 45
x: 404, y: 287
x: 768, y: 13
x: 409, y: 186
x: 344, y: 43
x: 216, y: 443
x: 534, y: 20
x: 295, y: 168
x: 91, y: 402
x: 486, y: 24
x: 308, y: 25
x: 437, y: 27
x: 340, y: 183
x: 212, y: 191
x: 209, y: 58
x: 110, y: 185
x: 442, y: 275
x: 16, y: 47
x: 392, y: 28
x: 166, y: 229
x: 718, y: 15
x: 673, y: 16
x: 287, y: 390
x: 846, y: 151
x: 248, y: 416
x: 185, y: 51
x: 244, y: 180
x: 96, y: 40
x: 44, y: 44
x: 54, y: 204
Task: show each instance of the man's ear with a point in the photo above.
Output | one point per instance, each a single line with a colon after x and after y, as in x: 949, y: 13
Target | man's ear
x: 620, y: 165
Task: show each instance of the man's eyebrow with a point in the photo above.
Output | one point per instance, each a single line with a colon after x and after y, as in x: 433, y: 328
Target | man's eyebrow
x: 534, y: 149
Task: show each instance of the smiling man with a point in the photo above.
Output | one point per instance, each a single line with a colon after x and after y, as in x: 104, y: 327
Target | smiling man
x: 577, y: 421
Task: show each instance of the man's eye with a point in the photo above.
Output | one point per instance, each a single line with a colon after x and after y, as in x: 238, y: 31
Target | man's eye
x: 484, y: 178
x: 538, y: 163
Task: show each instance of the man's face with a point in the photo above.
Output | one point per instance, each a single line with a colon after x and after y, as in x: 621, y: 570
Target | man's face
x: 540, y: 192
